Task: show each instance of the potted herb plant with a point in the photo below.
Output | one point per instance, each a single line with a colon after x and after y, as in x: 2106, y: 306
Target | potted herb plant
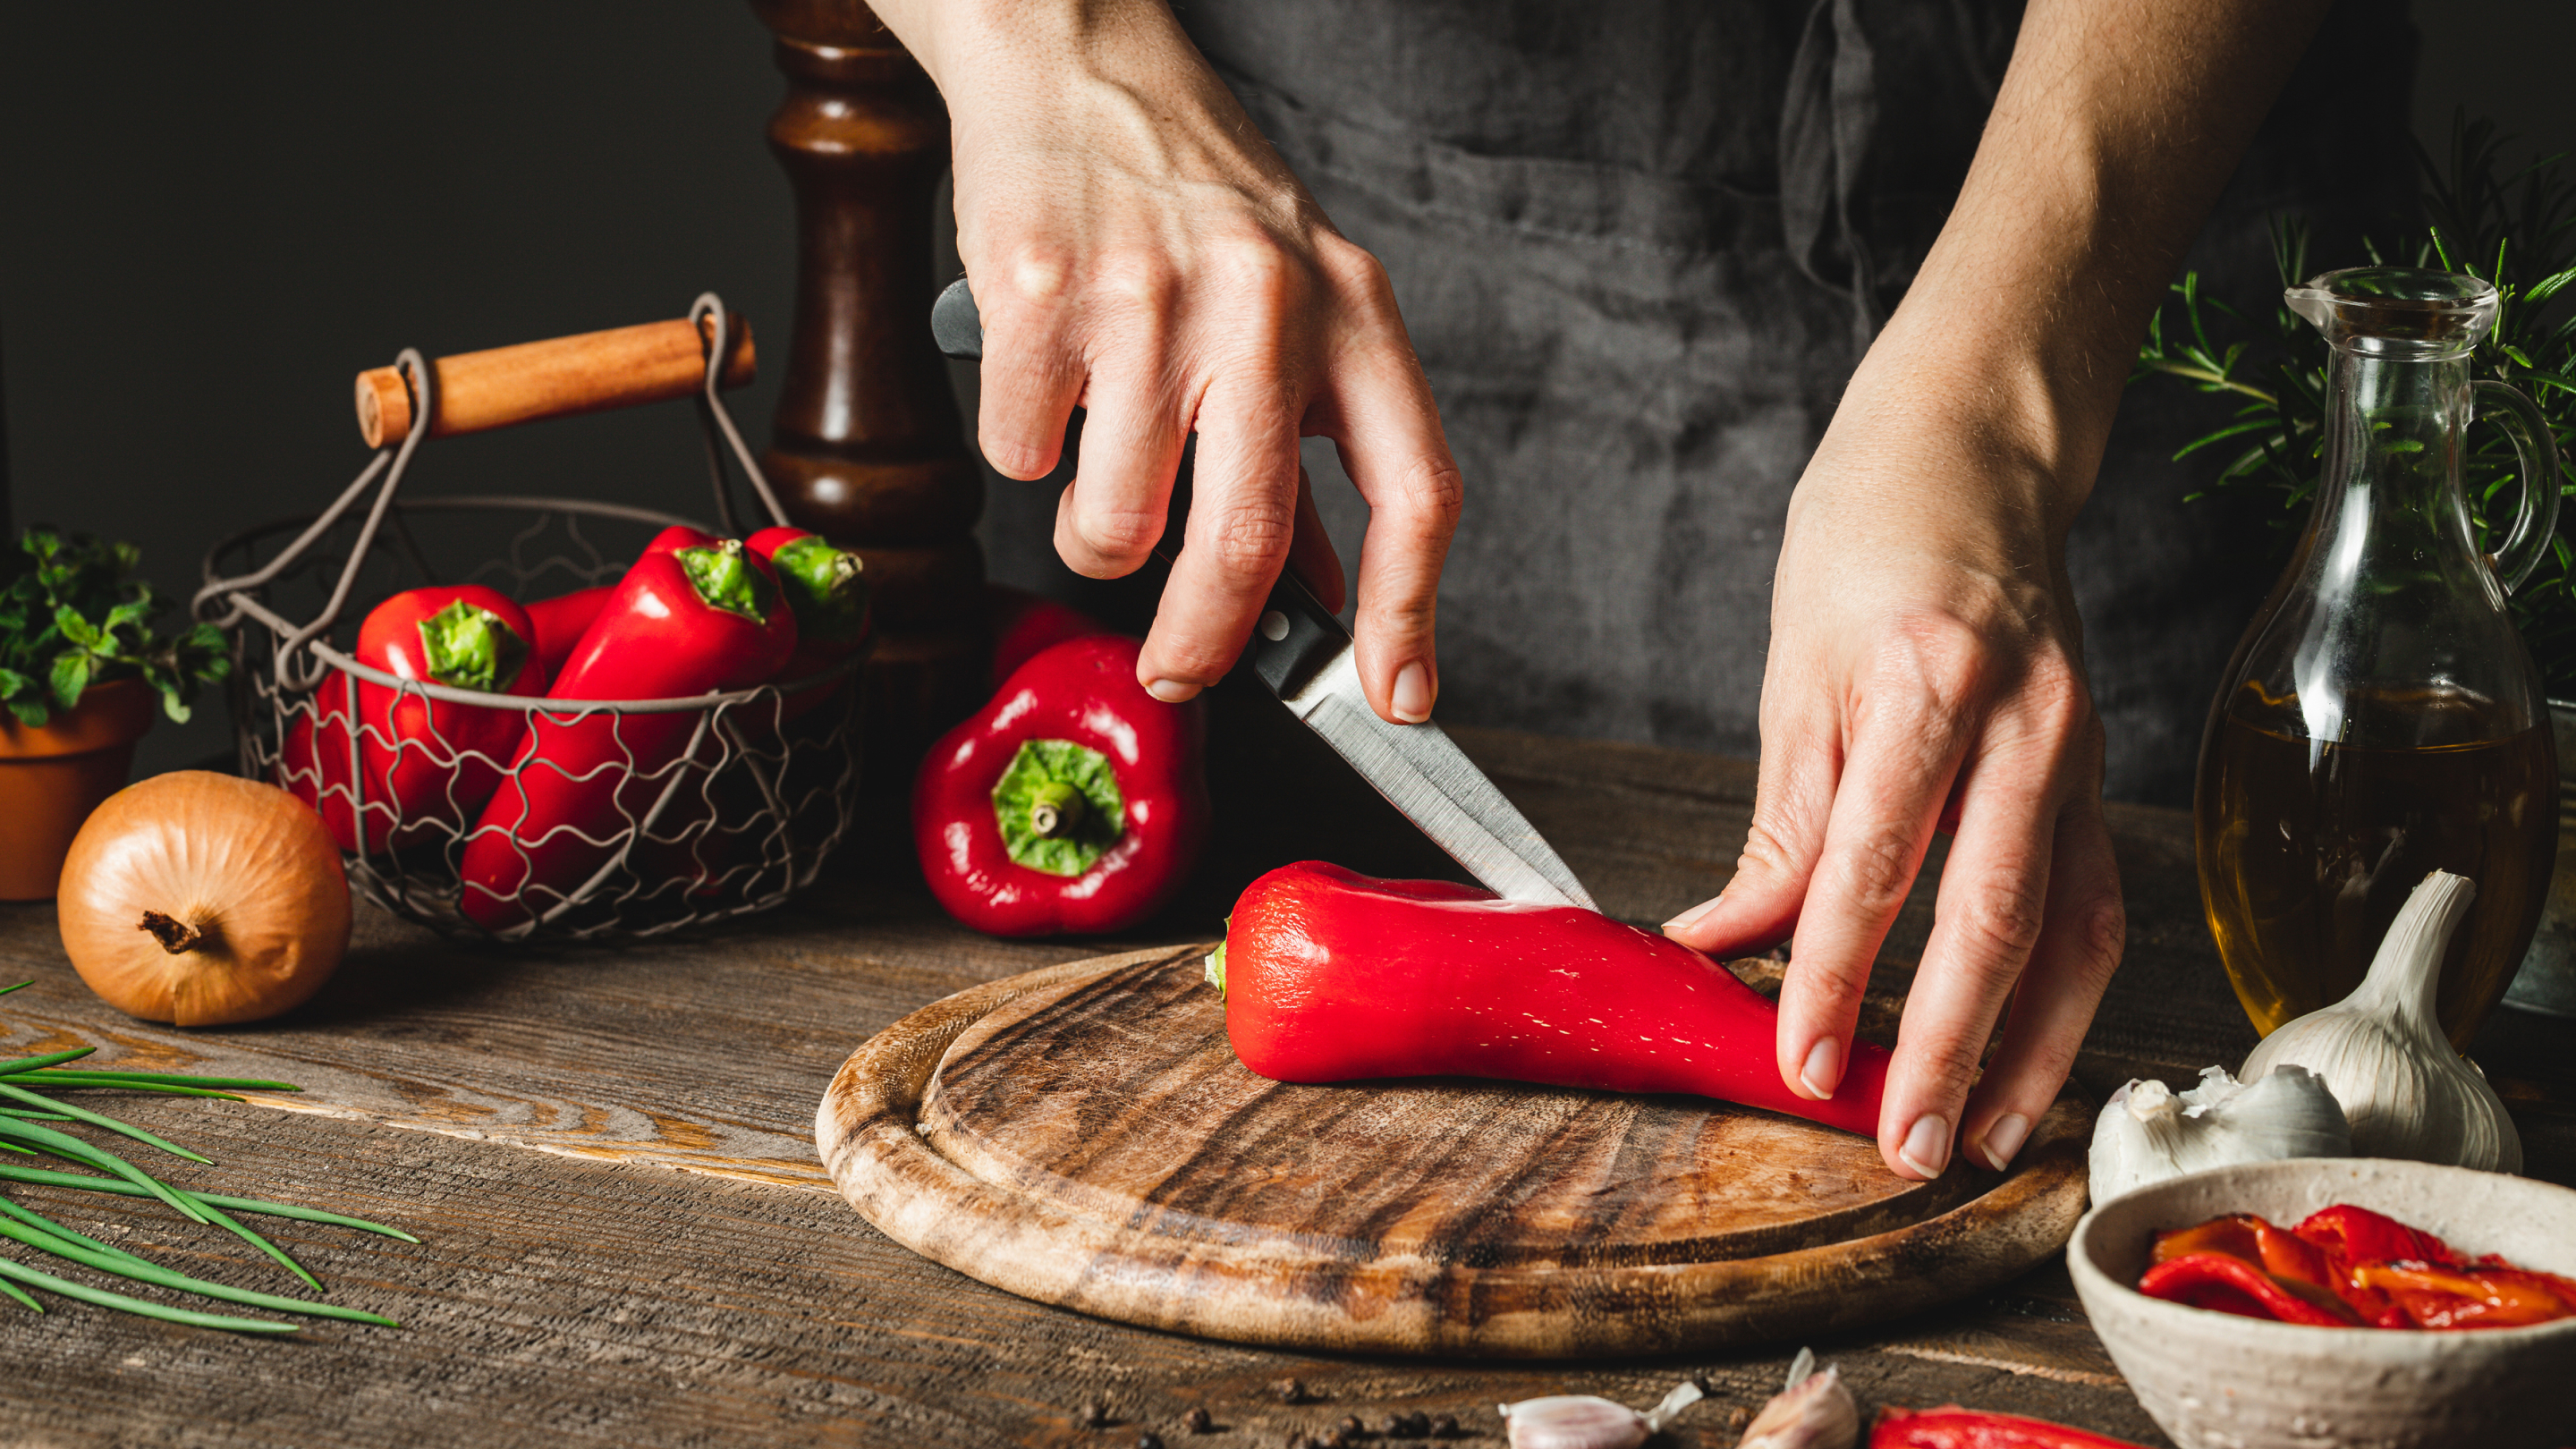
x: 80, y: 669
x: 2517, y: 232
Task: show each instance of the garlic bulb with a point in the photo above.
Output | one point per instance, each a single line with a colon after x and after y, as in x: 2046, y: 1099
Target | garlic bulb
x: 1580, y: 1421
x: 2148, y: 1132
x: 2382, y: 1053
x: 1814, y: 1412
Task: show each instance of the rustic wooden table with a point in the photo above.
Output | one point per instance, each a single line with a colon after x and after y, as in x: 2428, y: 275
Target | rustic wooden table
x: 627, y: 1239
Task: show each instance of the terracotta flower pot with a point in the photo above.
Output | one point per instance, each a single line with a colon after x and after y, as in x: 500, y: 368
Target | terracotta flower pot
x: 52, y: 778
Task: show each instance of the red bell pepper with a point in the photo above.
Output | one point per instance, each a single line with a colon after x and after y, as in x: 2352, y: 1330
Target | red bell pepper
x: 1026, y: 624
x: 827, y: 588
x: 427, y: 766
x: 1952, y: 1427
x: 2226, y: 1284
x: 1332, y: 976
x: 562, y: 620
x: 695, y: 621
x: 1072, y: 802
x: 2481, y: 1297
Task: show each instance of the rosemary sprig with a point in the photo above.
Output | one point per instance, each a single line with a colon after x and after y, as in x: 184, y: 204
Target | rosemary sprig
x: 2515, y: 229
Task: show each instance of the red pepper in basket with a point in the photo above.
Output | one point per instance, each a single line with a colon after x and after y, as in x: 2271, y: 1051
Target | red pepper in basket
x: 826, y: 587
x: 1073, y: 802
x: 427, y: 766
x: 562, y: 620
x: 696, y: 621
x: 1331, y: 976
x: 1952, y: 1427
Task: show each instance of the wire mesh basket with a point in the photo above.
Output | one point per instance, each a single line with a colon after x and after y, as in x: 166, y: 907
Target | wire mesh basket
x: 711, y: 806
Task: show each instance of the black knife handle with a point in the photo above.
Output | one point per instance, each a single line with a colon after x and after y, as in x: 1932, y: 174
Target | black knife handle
x: 956, y: 325
x: 1295, y: 637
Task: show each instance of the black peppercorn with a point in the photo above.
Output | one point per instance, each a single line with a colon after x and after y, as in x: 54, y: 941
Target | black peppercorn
x: 1149, y: 1440
x: 1445, y: 1427
x: 1198, y: 1420
x: 1093, y: 1414
x: 1290, y: 1391
x: 1738, y: 1418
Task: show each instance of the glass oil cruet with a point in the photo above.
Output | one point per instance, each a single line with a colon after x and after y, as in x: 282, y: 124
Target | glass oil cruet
x: 2381, y: 717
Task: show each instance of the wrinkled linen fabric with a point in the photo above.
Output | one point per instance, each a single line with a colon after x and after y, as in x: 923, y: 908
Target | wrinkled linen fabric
x: 1641, y: 244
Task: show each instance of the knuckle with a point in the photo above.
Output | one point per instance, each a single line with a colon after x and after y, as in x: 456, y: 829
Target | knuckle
x: 2101, y: 939
x: 1876, y: 871
x: 1252, y: 540
x: 1435, y: 490
x: 1118, y: 533
x: 1935, y: 658
x: 2002, y: 919
x: 1131, y: 283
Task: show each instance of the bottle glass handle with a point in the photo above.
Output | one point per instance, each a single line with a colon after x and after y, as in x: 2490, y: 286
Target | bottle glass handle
x: 2535, y: 523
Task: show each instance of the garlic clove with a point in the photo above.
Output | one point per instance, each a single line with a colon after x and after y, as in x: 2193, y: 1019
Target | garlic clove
x: 2147, y: 1132
x: 2381, y: 1050
x: 1582, y: 1421
x: 1814, y: 1412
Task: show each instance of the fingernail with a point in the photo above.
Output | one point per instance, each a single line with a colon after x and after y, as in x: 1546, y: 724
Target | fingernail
x: 2004, y: 1139
x: 1688, y: 918
x: 1927, y: 1146
x: 1823, y: 1069
x: 1171, y: 691
x: 1412, y: 702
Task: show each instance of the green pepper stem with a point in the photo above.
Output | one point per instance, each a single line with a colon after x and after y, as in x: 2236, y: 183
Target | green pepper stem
x: 470, y: 648
x: 725, y: 579
x: 1055, y: 809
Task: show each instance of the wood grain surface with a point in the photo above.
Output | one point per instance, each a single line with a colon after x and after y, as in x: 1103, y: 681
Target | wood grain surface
x: 524, y: 1112
x: 1084, y: 1136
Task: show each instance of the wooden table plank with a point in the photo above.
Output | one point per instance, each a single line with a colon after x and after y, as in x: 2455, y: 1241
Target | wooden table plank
x: 519, y: 1109
x: 556, y: 1300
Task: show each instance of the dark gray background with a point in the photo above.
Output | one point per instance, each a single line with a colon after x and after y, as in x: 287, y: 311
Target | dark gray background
x: 209, y: 219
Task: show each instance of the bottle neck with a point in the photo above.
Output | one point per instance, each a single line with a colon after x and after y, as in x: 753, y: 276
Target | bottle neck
x: 2395, y: 423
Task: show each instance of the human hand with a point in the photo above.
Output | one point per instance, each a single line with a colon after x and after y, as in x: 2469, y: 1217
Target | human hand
x: 1140, y: 252
x: 1926, y: 673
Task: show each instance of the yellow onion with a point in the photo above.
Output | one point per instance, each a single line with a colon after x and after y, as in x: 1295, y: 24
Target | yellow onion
x: 204, y: 899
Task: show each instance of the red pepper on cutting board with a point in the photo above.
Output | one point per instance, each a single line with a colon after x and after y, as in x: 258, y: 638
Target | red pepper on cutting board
x: 827, y: 587
x: 694, y: 621
x: 1333, y: 976
x: 424, y: 764
x: 1073, y: 802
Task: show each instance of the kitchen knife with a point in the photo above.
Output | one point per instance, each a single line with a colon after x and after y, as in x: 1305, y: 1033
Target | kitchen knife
x: 1302, y: 652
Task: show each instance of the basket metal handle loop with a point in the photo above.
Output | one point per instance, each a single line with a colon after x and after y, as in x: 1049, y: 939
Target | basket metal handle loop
x: 714, y: 419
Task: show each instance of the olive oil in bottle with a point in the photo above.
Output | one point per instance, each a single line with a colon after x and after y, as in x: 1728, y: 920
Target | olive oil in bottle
x: 2307, y: 849
x: 2381, y: 718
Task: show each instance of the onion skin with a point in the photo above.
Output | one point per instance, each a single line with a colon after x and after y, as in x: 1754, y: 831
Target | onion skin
x: 247, y: 873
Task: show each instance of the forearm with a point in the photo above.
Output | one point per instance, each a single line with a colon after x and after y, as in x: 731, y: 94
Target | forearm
x: 2115, y: 129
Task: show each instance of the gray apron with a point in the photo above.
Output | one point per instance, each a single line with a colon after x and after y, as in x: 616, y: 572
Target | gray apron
x: 1641, y: 244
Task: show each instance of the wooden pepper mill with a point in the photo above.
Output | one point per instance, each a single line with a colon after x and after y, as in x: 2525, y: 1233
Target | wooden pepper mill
x: 868, y: 449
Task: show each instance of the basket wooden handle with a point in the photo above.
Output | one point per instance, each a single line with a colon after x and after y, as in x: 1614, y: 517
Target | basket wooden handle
x: 479, y: 391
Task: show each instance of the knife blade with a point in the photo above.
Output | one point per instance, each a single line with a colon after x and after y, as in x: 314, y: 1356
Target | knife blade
x: 1300, y: 650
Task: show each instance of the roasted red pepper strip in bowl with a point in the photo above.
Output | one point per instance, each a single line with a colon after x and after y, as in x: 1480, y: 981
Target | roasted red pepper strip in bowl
x: 1333, y: 976
x: 426, y: 766
x: 1073, y: 802
x: 2348, y: 1267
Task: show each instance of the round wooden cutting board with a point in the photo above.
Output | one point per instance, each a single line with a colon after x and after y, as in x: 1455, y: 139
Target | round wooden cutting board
x: 1084, y: 1136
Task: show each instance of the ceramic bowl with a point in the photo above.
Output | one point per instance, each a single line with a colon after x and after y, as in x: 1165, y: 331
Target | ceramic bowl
x: 2216, y: 1381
